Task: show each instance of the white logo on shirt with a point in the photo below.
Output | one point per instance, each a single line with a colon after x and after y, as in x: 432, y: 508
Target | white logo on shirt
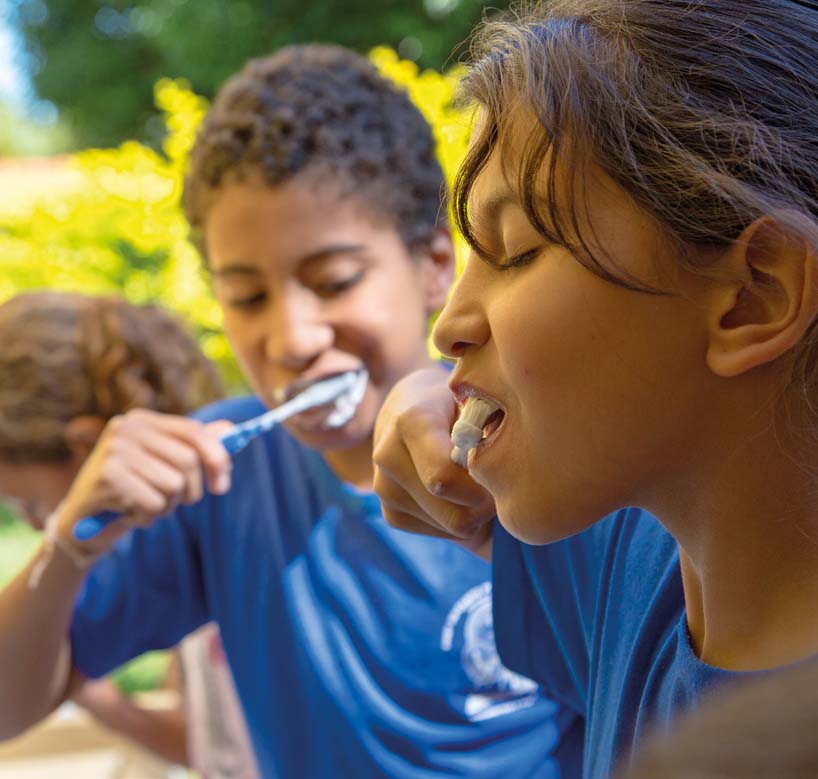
x: 502, y: 691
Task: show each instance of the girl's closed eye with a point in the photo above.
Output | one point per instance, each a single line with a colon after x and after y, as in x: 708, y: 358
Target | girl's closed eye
x: 512, y: 243
x: 519, y: 259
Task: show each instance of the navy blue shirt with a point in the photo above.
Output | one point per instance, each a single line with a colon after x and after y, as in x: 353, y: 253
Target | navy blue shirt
x: 599, y: 621
x: 357, y: 650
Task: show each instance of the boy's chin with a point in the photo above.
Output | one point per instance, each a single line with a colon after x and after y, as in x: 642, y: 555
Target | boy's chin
x: 324, y: 437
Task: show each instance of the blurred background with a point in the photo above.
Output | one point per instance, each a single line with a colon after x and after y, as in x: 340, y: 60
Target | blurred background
x: 80, y: 73
x: 99, y: 105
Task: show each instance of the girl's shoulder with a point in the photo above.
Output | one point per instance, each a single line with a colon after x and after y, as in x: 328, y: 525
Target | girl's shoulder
x: 556, y: 605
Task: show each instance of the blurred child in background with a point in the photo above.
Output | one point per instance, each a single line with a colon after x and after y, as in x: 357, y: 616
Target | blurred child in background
x: 68, y: 364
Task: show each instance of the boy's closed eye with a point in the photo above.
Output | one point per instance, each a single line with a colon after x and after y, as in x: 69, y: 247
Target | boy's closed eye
x: 330, y: 284
x: 239, y: 290
x: 246, y: 301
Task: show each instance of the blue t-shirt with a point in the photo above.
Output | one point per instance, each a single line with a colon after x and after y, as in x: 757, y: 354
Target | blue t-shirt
x: 357, y: 650
x: 599, y: 621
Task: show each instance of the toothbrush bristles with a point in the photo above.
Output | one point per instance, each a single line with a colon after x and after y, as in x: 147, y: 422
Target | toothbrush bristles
x: 467, y: 431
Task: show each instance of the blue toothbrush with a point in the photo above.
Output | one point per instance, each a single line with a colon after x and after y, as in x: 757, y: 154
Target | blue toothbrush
x: 315, y: 395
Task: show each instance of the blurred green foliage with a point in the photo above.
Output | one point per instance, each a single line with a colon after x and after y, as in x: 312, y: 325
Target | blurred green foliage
x: 109, y: 221
x: 97, y: 60
x: 143, y: 673
x: 22, y: 136
x: 17, y: 544
x: 116, y: 227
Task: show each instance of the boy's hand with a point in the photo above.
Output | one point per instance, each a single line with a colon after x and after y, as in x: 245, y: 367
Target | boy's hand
x: 420, y: 488
x: 143, y: 466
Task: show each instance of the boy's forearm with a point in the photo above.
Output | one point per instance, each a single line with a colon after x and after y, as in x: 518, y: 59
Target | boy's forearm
x: 35, y: 657
x: 162, y: 731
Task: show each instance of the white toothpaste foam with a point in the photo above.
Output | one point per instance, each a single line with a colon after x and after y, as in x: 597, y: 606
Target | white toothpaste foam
x: 347, y: 404
x: 468, y: 429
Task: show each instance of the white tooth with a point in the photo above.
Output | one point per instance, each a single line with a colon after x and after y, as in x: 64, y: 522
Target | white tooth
x: 346, y: 405
x: 468, y: 429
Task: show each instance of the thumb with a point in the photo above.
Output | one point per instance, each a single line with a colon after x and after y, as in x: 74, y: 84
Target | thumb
x: 219, y: 428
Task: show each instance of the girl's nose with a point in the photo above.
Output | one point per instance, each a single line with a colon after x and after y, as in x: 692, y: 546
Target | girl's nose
x: 462, y: 322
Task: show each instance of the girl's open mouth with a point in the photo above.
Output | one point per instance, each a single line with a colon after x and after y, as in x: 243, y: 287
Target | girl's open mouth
x: 479, y: 421
x: 492, y: 425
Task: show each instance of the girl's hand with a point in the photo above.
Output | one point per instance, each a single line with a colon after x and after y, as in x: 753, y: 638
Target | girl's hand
x: 143, y: 466
x: 420, y: 488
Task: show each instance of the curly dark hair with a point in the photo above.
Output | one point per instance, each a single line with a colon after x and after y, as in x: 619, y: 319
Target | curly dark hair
x: 327, y: 110
x: 66, y: 355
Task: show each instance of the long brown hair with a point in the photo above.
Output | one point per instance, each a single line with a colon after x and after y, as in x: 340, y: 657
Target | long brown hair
x: 66, y: 355
x: 705, y: 112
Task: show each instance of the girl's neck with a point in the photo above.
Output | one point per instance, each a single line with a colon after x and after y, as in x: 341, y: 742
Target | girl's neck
x: 747, y: 526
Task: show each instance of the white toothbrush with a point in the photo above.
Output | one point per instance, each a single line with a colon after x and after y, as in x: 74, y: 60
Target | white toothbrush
x: 317, y: 394
x: 468, y: 429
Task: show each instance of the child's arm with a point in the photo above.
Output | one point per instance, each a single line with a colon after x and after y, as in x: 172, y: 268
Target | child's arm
x: 144, y: 464
x: 35, y: 657
x: 162, y: 731
x: 421, y: 489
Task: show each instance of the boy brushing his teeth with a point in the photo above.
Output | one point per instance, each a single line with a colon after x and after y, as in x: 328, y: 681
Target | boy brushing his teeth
x: 357, y: 650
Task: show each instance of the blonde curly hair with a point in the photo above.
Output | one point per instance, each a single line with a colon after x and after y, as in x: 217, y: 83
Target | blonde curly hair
x: 68, y: 355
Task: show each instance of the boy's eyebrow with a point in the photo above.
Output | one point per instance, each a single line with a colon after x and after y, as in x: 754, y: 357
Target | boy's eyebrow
x: 235, y: 269
x: 329, y: 251
x: 238, y: 268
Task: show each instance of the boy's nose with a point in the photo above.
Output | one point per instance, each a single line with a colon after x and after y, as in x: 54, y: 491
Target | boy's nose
x: 462, y: 322
x: 297, y: 335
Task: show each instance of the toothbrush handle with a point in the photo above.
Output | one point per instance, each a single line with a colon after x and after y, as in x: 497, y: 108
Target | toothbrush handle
x: 88, y: 527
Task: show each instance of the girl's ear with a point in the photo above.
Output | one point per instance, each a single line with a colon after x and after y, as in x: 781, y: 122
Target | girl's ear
x: 764, y: 314
x: 82, y: 434
x: 437, y: 268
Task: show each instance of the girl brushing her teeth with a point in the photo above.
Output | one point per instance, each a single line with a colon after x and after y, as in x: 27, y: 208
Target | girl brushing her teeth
x: 357, y: 650
x: 642, y: 199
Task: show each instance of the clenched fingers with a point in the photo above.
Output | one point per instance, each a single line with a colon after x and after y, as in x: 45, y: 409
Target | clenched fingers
x: 414, y: 474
